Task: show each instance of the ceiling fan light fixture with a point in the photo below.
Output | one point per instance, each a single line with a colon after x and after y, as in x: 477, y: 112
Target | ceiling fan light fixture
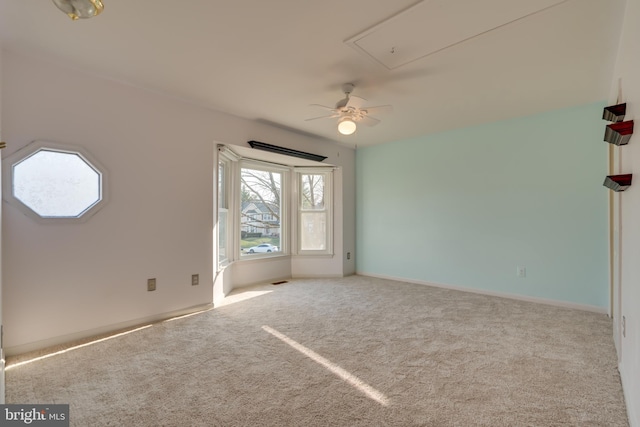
x: 82, y: 9
x: 346, y: 126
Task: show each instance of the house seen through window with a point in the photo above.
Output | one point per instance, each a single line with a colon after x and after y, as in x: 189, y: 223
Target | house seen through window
x: 260, y: 210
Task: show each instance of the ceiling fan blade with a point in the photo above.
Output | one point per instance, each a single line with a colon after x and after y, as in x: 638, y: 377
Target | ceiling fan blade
x: 369, y: 121
x: 322, y: 106
x: 378, y: 109
x: 355, y: 102
x: 330, y: 116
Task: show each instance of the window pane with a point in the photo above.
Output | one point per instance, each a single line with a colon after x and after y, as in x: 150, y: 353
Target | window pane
x: 313, y: 231
x: 313, y: 212
x: 223, y: 213
x: 312, y: 191
x: 56, y: 184
x: 222, y: 185
x: 260, y: 210
x: 222, y: 235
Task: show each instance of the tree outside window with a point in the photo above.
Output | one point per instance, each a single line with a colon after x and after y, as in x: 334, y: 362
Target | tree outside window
x: 313, y: 212
x: 261, y: 209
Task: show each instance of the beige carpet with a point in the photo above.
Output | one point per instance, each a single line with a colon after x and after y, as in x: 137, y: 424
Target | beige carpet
x: 346, y: 352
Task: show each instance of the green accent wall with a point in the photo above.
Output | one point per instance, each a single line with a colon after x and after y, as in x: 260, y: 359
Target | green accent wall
x: 467, y: 207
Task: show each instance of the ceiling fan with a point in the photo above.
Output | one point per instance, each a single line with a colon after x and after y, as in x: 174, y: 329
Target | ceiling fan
x: 351, y: 110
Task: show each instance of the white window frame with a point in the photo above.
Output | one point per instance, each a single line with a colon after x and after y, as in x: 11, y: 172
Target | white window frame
x: 230, y: 159
x: 285, y: 192
x: 327, y: 172
x: 222, y: 205
x: 31, y: 149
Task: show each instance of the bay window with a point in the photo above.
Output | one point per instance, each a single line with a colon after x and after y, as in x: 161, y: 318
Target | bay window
x: 266, y: 209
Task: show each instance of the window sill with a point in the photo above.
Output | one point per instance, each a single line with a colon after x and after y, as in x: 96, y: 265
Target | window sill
x: 312, y: 255
x: 263, y: 257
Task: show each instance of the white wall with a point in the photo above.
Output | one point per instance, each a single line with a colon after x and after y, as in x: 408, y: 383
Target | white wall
x: 67, y: 281
x: 628, y: 73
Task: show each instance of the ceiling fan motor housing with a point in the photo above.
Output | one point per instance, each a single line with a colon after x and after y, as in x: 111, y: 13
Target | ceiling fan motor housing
x: 347, y: 88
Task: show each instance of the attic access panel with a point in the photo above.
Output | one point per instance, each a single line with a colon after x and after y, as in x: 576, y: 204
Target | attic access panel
x: 430, y: 26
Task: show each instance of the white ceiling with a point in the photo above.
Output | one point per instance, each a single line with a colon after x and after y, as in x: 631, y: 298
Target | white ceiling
x: 268, y: 60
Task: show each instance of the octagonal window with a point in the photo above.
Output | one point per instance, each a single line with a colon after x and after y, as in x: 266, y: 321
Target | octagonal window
x: 55, y: 183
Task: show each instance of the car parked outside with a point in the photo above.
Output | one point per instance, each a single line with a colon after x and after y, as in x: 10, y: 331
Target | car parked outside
x: 264, y: 247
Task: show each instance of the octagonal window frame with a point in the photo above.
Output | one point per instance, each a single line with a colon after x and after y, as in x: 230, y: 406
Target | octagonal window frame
x: 10, y: 162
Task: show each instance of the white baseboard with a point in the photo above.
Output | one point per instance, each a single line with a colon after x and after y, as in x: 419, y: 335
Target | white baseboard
x: 632, y: 409
x: 259, y: 283
x: 292, y: 277
x: 318, y: 276
x: 565, y: 304
x: 70, y: 338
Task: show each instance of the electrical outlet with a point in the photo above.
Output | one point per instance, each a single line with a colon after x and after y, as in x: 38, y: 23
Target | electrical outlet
x: 195, y: 279
x: 151, y: 284
x: 348, y: 255
x: 624, y: 327
x: 521, y: 271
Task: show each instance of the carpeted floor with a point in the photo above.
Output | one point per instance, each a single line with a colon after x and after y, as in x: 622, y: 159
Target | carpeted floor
x: 342, y: 352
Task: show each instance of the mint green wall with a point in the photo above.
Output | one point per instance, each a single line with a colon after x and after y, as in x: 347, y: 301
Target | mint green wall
x: 466, y: 207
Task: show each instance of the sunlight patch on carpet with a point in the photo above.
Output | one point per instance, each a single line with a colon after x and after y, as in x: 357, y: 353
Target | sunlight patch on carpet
x: 75, y: 347
x: 351, y: 379
x: 186, y: 315
x: 242, y: 296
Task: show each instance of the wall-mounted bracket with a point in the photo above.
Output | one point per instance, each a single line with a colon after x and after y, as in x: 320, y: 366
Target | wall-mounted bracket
x: 614, y: 113
x: 618, y: 182
x: 619, y: 133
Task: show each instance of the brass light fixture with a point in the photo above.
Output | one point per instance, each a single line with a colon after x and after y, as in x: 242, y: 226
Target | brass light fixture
x: 80, y: 9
